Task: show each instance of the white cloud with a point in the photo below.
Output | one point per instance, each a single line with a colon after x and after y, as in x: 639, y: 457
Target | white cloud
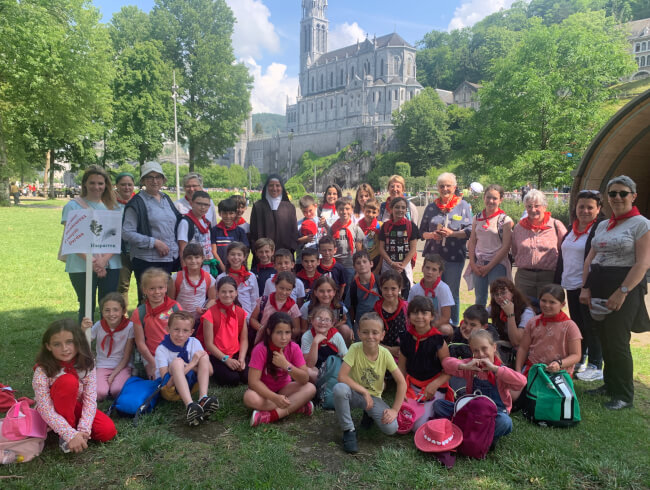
x: 472, y: 11
x: 344, y: 35
x: 253, y: 33
x: 271, y: 88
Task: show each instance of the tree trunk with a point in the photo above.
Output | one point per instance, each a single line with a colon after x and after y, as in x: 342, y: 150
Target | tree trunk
x: 192, y: 152
x: 4, y: 170
x: 51, y: 159
x: 46, y: 173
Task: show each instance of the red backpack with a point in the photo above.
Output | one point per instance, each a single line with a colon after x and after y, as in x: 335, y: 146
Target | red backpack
x: 475, y: 415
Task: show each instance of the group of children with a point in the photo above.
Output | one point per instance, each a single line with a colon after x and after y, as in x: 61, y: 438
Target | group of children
x: 274, y: 326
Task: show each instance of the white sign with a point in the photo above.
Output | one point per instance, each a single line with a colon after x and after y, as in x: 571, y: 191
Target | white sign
x: 92, y: 231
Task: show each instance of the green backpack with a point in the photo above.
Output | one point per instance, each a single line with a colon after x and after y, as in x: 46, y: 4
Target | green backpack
x: 328, y: 375
x: 550, y: 398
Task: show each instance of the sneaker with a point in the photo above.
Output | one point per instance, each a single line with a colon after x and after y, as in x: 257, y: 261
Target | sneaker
x: 601, y: 390
x: 307, y: 409
x: 366, y: 421
x: 617, y: 404
x: 592, y: 373
x: 260, y: 417
x: 580, y: 367
x: 194, y: 414
x: 209, y: 404
x: 350, y: 442
x: 63, y: 445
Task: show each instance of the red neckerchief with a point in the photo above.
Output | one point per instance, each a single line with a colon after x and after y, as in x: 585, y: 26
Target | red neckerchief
x: 264, y: 266
x: 275, y: 348
x: 226, y: 230
x: 122, y: 201
x: 240, y: 275
x: 166, y: 305
x: 285, y: 307
x: 560, y: 317
x: 196, y: 286
x: 529, y: 226
x: 483, y: 217
x: 69, y: 367
x: 197, y: 222
x: 109, y: 333
x: 302, y: 274
x: 228, y: 309
x: 326, y: 268
x: 421, y: 336
x: 368, y: 290
x: 445, y: 208
x: 365, y: 227
x: 336, y: 232
x: 577, y: 233
x: 240, y: 221
x: 401, y: 305
x: 432, y: 289
x: 614, y: 220
x: 503, y: 317
x: 492, y: 377
x: 331, y: 207
x: 330, y: 333
x: 390, y: 224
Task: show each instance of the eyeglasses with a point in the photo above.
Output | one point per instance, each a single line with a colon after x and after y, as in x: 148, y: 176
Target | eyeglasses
x: 589, y: 192
x: 319, y: 319
x: 202, y: 204
x: 499, y: 293
x: 623, y: 194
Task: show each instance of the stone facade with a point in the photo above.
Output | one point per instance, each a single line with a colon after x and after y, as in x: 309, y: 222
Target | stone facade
x: 639, y: 38
x: 465, y: 95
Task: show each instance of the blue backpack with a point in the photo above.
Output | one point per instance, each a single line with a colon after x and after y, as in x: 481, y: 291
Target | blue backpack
x: 138, y: 396
x: 328, y: 376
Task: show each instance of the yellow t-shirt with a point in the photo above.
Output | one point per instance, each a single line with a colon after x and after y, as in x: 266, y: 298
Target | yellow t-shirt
x: 369, y: 374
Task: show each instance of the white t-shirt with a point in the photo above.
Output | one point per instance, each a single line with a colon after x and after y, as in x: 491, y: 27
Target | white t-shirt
x: 298, y: 290
x: 120, y: 339
x: 616, y: 247
x: 573, y: 258
x: 337, y: 340
x: 164, y: 356
x: 202, y: 239
x: 247, y: 293
x: 189, y: 300
x: 443, y: 297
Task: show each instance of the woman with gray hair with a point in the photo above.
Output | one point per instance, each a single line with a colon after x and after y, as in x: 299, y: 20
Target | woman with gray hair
x: 536, y: 242
x: 446, y: 225
x: 614, y: 287
x: 193, y: 182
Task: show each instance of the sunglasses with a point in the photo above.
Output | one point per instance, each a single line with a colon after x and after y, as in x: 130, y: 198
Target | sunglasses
x: 623, y: 194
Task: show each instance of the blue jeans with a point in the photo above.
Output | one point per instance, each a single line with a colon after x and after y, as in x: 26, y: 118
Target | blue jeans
x: 444, y: 409
x: 451, y: 277
x: 482, y: 284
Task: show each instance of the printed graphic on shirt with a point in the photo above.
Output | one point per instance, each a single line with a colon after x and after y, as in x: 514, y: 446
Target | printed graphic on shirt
x: 368, y: 377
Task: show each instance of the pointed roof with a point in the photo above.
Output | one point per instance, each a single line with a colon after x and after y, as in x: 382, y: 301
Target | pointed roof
x: 392, y: 40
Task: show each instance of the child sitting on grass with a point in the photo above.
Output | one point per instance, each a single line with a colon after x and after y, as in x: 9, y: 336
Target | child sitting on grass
x: 247, y: 291
x: 278, y: 380
x: 64, y: 387
x: 150, y: 319
x: 391, y: 309
x: 422, y: 350
x: 485, y: 373
x: 321, y: 340
x: 325, y: 295
x: 183, y: 357
x: 361, y: 383
x: 279, y: 300
x: 263, y: 267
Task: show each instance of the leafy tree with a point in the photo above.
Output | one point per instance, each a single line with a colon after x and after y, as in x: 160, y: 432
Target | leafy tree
x: 403, y: 169
x: 259, y: 130
x: 422, y: 129
x: 55, y: 73
x: 546, y: 97
x: 215, y: 91
x: 142, y: 108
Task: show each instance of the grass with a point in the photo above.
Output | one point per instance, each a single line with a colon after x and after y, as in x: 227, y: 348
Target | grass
x: 606, y: 450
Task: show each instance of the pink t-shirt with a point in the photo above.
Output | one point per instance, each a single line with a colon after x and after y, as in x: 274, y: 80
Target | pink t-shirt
x: 258, y: 361
x: 551, y: 342
x: 537, y: 250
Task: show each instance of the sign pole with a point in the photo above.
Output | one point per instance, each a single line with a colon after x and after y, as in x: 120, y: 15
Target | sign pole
x: 89, y: 291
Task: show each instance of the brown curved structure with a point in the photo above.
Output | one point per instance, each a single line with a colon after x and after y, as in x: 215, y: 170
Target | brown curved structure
x: 622, y: 147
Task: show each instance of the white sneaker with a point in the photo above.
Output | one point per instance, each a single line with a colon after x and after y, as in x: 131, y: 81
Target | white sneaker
x: 580, y: 367
x: 590, y: 374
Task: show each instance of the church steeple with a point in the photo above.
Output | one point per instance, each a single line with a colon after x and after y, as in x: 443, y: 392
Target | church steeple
x: 313, y: 31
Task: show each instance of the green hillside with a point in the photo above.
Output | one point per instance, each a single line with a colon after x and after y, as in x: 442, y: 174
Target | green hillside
x: 270, y: 123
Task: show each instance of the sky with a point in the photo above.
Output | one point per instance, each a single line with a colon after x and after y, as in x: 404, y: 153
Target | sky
x: 266, y: 33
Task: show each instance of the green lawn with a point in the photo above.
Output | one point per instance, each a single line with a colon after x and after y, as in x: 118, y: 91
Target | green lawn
x: 605, y: 450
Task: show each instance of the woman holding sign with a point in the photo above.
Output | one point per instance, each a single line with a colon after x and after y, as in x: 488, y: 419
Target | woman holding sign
x: 96, y: 193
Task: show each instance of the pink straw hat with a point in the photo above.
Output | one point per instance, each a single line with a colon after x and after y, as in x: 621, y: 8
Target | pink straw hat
x: 438, y: 435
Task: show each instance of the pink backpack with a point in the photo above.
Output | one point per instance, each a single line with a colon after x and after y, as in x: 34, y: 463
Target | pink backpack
x: 475, y: 415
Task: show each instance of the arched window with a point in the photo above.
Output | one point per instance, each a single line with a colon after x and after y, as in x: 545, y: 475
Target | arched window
x: 341, y: 81
x: 321, y: 105
x: 341, y: 101
x: 643, y: 46
x: 409, y: 64
x: 312, y: 107
x: 331, y: 103
x: 352, y: 73
x: 637, y: 61
x: 381, y: 68
x: 331, y: 79
x: 642, y: 60
x: 396, y: 66
x: 302, y: 109
x: 317, y: 37
x: 637, y: 48
x: 379, y: 97
x: 373, y: 96
x: 312, y: 84
x: 389, y: 95
x: 321, y: 81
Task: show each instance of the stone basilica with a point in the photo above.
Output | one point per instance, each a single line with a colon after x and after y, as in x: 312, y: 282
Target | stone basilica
x: 358, y: 85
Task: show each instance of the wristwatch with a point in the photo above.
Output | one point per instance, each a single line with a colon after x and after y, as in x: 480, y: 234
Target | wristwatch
x: 225, y: 358
x: 289, y: 368
x: 624, y: 290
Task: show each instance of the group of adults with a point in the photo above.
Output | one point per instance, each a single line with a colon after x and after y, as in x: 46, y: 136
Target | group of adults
x: 602, y: 263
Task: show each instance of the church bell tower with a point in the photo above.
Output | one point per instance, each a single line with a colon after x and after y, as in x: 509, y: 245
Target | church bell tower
x: 313, y: 32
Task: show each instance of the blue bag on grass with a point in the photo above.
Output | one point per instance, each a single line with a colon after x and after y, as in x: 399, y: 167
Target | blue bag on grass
x: 138, y: 396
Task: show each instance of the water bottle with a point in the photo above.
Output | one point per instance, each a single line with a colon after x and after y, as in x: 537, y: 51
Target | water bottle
x: 8, y: 456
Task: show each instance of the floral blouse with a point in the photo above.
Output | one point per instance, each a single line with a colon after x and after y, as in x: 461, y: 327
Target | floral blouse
x: 460, y: 218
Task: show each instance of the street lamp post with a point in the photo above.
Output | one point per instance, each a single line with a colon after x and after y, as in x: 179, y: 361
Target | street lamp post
x: 175, y: 96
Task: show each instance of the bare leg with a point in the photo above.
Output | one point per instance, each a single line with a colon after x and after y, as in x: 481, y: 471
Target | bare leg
x: 253, y: 400
x: 313, y: 374
x: 204, y: 371
x: 177, y: 370
x: 298, y: 395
